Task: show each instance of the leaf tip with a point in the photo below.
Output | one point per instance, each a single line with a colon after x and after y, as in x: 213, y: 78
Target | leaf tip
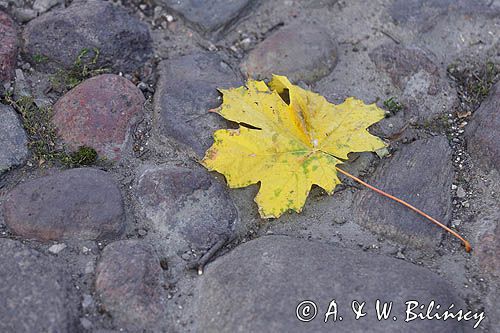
x: 215, y: 110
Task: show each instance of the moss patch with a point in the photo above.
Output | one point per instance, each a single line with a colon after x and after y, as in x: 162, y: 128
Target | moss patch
x: 84, y: 67
x: 392, y: 105
x: 474, y: 81
x: 42, y: 136
x: 83, y: 156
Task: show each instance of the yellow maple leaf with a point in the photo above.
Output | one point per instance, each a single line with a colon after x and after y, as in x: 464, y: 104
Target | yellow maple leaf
x: 288, y: 139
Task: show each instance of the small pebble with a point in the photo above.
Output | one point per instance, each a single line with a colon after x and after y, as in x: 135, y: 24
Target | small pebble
x: 143, y: 86
x: 461, y: 192
x: 400, y: 255
x: 86, y: 324
x: 56, y: 248
x: 89, y: 268
x: 87, y: 301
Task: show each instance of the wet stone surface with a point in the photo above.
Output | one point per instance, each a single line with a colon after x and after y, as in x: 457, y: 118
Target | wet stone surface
x: 74, y: 204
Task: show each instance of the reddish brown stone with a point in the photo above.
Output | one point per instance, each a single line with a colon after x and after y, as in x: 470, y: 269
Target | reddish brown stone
x: 99, y: 113
x: 487, y: 249
x: 8, y: 47
x: 401, y: 64
x: 129, y: 281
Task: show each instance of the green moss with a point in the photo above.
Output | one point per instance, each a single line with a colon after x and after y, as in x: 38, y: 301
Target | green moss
x: 436, y: 124
x: 83, y: 156
x: 40, y: 58
x: 84, y: 67
x: 392, y: 105
x: 474, y: 80
x: 36, y: 121
x: 42, y: 136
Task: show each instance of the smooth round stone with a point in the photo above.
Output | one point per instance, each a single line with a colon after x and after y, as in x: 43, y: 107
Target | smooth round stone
x: 99, y: 113
x: 59, y: 36
x: 258, y: 286
x: 302, y: 52
x: 74, y: 204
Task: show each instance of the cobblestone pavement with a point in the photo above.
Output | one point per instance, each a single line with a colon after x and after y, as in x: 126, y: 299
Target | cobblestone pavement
x: 106, y: 214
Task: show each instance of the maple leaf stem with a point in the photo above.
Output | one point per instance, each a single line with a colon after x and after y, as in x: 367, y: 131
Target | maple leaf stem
x: 404, y: 203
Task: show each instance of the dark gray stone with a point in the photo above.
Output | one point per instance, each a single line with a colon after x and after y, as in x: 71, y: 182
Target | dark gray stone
x: 424, y: 92
x: 41, y: 6
x: 318, y: 3
x: 423, y: 14
x: 401, y: 63
x: 209, y: 15
x: 257, y: 286
x: 14, y: 149
x: 99, y: 113
x: 24, y: 15
x: 420, y: 174
x: 9, y: 44
x: 35, y: 294
x: 129, y: 282
x: 483, y: 132
x: 123, y: 41
x: 187, y: 89
x: 302, y: 52
x: 187, y: 206
x: 74, y: 204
